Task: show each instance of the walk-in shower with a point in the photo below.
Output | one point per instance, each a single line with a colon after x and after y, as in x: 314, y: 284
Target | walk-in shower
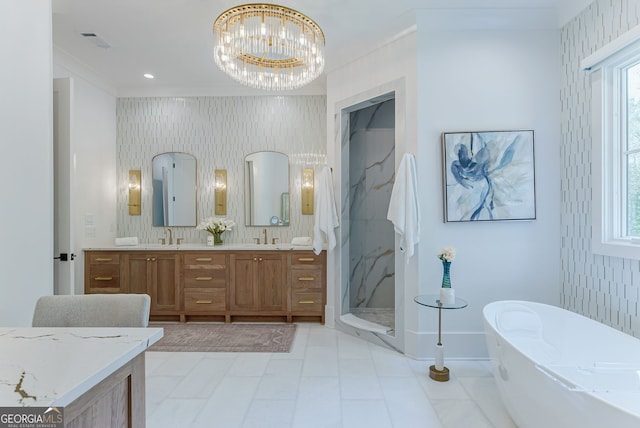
x: 368, y: 259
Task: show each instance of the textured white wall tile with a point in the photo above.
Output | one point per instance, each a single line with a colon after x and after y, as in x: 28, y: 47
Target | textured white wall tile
x: 603, y: 288
x: 219, y: 132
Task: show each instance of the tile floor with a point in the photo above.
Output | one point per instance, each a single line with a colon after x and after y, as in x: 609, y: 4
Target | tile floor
x: 329, y: 379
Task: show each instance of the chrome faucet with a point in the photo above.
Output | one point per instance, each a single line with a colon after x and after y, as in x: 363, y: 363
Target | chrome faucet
x: 265, y: 235
x: 170, y: 235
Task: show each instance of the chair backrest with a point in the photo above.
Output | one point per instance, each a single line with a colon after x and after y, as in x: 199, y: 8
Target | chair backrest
x: 92, y: 310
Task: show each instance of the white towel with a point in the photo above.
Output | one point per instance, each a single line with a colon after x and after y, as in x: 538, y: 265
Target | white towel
x: 302, y: 241
x: 326, y: 218
x: 127, y: 241
x: 404, y: 208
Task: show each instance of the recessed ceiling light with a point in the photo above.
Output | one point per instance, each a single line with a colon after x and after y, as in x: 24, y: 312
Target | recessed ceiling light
x: 148, y: 75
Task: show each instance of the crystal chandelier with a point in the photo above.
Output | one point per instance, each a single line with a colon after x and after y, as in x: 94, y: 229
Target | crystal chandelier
x: 267, y: 46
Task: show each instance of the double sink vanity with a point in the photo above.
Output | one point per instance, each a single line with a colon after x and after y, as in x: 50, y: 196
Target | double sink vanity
x: 253, y: 282
x: 236, y: 282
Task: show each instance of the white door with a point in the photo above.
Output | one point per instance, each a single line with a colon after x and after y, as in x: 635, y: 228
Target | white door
x: 63, y: 251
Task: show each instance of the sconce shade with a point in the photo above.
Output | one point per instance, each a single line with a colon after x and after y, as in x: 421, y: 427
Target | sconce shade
x: 134, y: 192
x: 220, y: 191
x: 307, y: 191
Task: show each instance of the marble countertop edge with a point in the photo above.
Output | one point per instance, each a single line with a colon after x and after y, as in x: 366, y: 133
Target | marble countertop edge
x: 53, y: 379
x: 203, y: 247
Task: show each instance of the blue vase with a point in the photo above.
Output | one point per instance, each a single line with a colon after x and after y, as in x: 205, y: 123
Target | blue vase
x: 446, y: 276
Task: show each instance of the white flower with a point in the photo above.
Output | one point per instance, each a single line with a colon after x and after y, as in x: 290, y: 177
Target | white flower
x: 216, y: 225
x: 447, y: 254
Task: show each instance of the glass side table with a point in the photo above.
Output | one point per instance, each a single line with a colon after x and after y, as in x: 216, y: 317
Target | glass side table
x: 438, y: 371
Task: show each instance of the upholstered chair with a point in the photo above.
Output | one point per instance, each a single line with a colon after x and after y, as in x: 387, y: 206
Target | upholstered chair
x: 92, y: 310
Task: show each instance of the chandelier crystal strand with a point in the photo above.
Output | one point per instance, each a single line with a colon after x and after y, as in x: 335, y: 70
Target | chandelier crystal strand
x: 267, y: 46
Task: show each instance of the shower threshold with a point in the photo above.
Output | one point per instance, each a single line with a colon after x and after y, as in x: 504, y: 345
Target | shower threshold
x: 363, y: 324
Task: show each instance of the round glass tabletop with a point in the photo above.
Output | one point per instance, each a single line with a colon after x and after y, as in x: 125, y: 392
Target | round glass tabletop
x: 433, y: 301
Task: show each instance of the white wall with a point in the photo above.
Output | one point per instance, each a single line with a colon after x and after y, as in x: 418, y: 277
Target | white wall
x: 26, y: 222
x: 497, y: 71
x: 481, y: 80
x: 94, y: 166
x: 374, y: 74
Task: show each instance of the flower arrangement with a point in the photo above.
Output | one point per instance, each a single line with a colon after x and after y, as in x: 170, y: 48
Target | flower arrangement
x: 215, y: 226
x: 447, y: 254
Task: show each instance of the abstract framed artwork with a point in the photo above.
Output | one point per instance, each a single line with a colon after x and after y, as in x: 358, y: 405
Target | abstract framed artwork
x: 488, y: 176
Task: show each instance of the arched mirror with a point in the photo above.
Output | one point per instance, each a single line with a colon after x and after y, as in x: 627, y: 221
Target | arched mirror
x: 174, y: 189
x: 266, y: 189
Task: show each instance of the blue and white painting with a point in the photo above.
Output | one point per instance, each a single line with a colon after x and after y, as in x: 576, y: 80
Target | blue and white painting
x: 489, y: 176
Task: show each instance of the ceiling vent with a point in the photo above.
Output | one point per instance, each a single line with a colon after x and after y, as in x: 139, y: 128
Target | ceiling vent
x: 96, y: 40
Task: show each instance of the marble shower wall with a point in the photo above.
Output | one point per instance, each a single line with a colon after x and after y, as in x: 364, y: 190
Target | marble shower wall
x: 219, y: 132
x: 371, y: 178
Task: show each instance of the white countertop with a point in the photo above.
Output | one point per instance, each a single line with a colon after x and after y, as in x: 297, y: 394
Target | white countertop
x: 55, y: 366
x: 203, y: 247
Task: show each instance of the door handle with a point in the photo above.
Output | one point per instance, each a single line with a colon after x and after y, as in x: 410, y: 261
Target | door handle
x: 64, y: 257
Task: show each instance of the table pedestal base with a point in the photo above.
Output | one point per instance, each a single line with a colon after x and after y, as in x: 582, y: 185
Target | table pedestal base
x: 439, y: 375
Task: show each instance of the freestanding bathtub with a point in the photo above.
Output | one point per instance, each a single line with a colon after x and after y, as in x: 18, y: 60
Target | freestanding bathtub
x: 555, y: 368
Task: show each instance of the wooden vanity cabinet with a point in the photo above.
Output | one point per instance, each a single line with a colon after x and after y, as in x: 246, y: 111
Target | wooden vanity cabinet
x: 215, y: 285
x: 308, y: 289
x: 156, y: 274
x: 102, y: 272
x: 257, y: 283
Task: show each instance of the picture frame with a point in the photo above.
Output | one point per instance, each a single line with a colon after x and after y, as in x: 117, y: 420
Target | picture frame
x: 488, y: 176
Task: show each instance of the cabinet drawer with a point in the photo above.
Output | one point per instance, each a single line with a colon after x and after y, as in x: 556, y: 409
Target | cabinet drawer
x: 104, y: 258
x: 205, y: 261
x: 306, y: 258
x: 205, y: 300
x: 306, y: 279
x: 306, y: 302
x: 205, y: 278
x: 104, y: 276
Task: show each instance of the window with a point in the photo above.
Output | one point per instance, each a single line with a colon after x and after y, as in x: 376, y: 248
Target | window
x: 631, y: 150
x: 615, y: 85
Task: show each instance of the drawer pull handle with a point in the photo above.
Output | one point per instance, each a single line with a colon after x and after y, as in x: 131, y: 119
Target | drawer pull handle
x: 306, y: 278
x: 103, y: 259
x: 204, y: 302
x: 306, y: 259
x: 306, y: 302
x: 203, y: 278
x: 203, y: 259
x: 103, y: 278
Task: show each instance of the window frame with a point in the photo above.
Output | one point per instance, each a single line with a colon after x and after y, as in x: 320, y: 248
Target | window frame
x: 609, y: 198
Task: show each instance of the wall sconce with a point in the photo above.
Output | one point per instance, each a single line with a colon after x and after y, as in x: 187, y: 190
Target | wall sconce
x: 134, y: 191
x: 220, y: 190
x: 307, y: 191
